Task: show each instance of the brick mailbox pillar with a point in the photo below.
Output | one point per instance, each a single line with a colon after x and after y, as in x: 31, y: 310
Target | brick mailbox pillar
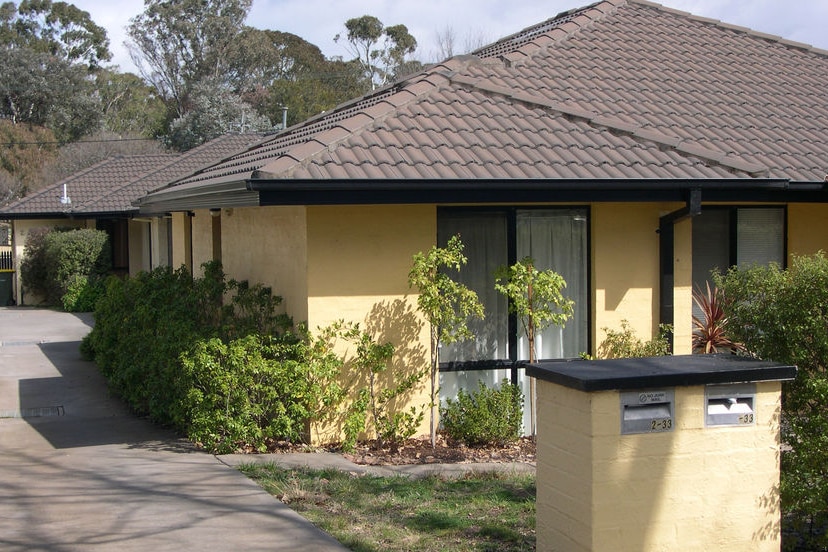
x: 656, y: 454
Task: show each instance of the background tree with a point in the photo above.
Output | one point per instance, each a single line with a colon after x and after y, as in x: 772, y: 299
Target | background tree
x: 178, y: 44
x: 380, y: 61
x: 131, y: 108
x: 272, y: 70
x: 782, y: 315
x: 445, y: 304
x: 58, y: 29
x: 215, y: 111
x: 24, y: 151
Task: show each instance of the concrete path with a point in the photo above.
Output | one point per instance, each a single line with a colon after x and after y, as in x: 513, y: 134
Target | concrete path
x: 78, y: 472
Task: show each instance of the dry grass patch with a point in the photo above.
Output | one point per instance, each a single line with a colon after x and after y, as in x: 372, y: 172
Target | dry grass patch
x: 488, y: 512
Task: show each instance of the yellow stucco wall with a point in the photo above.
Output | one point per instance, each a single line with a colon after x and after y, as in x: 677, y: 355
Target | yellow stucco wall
x: 139, y: 246
x: 807, y: 228
x: 625, y: 271
x: 182, y: 246
x: 694, y: 488
x: 358, y: 263
x: 202, y: 239
x: 268, y: 245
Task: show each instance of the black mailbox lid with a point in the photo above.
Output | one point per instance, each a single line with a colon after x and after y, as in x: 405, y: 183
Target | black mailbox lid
x: 662, y: 371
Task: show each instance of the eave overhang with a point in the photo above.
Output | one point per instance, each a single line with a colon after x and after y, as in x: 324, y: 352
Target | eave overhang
x: 269, y: 192
x: 191, y: 197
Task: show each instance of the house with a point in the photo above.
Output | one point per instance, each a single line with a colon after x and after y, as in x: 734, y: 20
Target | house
x: 101, y: 197
x: 630, y: 147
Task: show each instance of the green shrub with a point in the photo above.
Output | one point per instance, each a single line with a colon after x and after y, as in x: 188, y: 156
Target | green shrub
x: 242, y: 393
x: 82, y: 294
x: 624, y: 343
x: 34, y: 266
x: 59, y: 262
x: 782, y: 315
x: 373, y: 411
x: 486, y: 416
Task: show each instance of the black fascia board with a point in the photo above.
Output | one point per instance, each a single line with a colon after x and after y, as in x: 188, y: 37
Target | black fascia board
x: 418, y: 191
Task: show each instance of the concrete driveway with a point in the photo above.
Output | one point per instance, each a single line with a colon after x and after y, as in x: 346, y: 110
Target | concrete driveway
x: 79, y: 472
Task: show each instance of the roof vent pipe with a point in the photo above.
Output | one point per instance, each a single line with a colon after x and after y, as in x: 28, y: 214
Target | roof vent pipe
x: 284, y: 117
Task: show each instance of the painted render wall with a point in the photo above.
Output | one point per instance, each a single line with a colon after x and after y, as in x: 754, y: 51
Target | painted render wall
x: 202, y: 240
x: 807, y: 228
x: 268, y: 245
x: 358, y: 260
x: 692, y: 488
x: 625, y: 271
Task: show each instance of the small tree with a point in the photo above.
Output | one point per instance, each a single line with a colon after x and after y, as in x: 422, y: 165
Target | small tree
x: 445, y: 303
x: 783, y: 315
x: 535, y: 297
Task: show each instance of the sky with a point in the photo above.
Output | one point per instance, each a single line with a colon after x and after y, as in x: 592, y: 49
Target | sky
x: 475, y: 22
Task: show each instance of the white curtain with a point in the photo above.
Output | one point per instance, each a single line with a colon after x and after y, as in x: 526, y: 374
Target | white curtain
x: 484, y: 240
x: 556, y: 240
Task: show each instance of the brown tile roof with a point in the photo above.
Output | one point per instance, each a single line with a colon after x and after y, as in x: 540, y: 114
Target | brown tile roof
x: 621, y: 89
x: 111, y: 186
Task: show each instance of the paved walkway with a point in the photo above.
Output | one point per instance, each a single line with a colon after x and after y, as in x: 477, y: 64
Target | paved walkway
x: 79, y: 472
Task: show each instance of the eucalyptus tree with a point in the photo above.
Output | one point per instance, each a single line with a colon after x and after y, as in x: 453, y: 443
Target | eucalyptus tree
x: 178, y: 43
x: 381, y: 51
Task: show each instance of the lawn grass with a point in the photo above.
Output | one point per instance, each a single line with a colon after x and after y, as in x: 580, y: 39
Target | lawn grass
x: 490, y: 512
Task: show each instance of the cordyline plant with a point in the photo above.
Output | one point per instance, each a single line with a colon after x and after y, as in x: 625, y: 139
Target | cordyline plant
x: 710, y: 331
x: 446, y: 304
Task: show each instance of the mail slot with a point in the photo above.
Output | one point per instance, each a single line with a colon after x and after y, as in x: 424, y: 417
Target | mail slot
x: 730, y: 405
x: 647, y: 411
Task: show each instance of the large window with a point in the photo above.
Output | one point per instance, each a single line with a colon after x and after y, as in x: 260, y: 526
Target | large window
x: 736, y: 236
x: 554, y: 238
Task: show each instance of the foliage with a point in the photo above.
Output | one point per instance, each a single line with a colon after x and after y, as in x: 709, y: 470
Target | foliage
x: 710, y: 331
x: 130, y: 107
x: 215, y: 111
x: 624, y: 343
x: 247, y: 391
x: 40, y: 89
x: 783, y: 315
x: 487, y: 511
x: 445, y: 304
x: 57, y: 261
x: 34, y: 266
x: 374, y: 406
x: 380, y: 63
x: 58, y: 29
x: 535, y: 297
x: 82, y: 293
x: 83, y: 252
x: 485, y: 417
x: 144, y: 323
x: 177, y: 45
x: 27, y: 149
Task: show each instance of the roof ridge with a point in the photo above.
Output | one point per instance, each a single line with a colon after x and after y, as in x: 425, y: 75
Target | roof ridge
x: 730, y: 26
x: 683, y: 146
x: 518, y: 45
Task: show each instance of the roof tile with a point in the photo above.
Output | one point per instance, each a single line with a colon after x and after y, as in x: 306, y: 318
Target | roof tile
x: 619, y: 89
